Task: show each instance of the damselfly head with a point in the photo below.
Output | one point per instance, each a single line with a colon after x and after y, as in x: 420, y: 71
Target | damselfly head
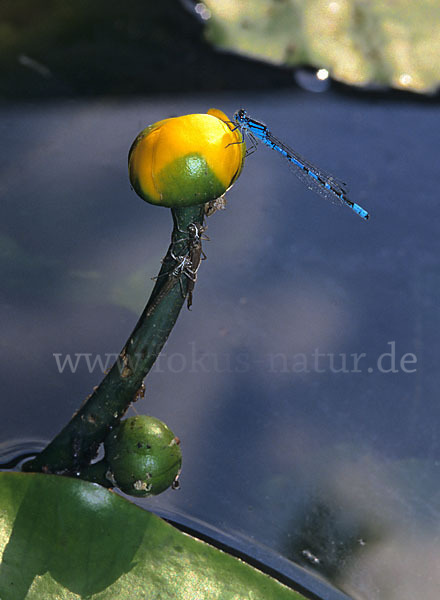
x: 240, y: 115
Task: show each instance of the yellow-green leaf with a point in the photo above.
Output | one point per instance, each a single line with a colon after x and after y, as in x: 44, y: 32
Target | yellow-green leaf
x: 359, y: 42
x: 66, y: 538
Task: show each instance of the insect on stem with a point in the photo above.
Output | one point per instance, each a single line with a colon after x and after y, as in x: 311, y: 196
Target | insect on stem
x: 187, y: 262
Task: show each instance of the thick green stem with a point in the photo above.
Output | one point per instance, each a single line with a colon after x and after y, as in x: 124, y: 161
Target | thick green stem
x: 97, y: 473
x: 77, y: 444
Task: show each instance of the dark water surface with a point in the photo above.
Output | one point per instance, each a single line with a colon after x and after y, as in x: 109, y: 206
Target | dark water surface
x: 304, y: 383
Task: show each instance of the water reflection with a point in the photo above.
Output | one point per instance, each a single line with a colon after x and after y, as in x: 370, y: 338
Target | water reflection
x: 286, y: 440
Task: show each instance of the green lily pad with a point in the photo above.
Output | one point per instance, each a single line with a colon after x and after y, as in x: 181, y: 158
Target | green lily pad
x: 66, y: 538
x: 371, y: 43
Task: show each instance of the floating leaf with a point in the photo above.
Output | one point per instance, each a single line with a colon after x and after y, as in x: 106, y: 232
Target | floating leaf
x: 360, y: 42
x: 66, y: 538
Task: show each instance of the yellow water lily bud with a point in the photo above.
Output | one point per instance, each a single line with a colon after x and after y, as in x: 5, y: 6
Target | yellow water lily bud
x: 188, y: 160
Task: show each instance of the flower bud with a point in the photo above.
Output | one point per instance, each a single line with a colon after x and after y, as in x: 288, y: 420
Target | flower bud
x: 143, y: 456
x: 188, y: 160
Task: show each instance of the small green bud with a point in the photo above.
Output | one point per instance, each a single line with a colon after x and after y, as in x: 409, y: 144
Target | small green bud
x: 143, y: 456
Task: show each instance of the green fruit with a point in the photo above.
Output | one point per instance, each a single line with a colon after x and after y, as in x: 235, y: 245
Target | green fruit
x: 143, y: 455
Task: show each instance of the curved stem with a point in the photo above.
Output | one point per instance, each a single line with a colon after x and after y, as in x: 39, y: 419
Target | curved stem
x: 77, y: 444
x: 97, y: 473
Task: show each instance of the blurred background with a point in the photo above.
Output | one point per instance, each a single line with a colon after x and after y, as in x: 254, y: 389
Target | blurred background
x: 303, y: 383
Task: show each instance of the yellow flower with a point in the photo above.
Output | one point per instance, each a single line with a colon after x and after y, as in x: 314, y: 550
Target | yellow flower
x: 186, y: 160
